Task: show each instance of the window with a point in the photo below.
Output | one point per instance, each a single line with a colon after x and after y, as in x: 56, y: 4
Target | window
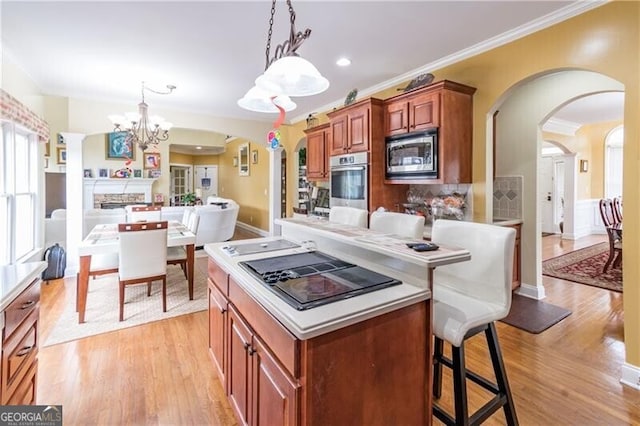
x: 18, y: 193
x: 613, y: 162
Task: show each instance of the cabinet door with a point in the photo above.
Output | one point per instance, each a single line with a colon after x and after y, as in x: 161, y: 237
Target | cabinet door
x: 339, y: 135
x: 239, y: 371
x: 217, y: 331
x: 316, y: 155
x: 275, y: 396
x: 396, y: 118
x: 424, y: 112
x: 358, y: 140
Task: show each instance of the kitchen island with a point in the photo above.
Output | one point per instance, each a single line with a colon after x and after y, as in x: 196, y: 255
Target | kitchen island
x: 361, y: 360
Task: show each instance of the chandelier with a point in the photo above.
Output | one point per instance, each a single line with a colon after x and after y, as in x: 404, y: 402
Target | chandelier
x: 286, y: 74
x: 142, y: 129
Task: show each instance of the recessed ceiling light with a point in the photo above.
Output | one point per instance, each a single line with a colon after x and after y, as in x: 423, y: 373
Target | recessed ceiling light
x: 198, y: 147
x: 343, y: 62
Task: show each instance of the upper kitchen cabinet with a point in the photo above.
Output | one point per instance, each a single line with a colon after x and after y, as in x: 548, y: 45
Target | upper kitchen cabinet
x: 351, y: 127
x: 318, y: 142
x: 446, y: 106
x: 419, y: 112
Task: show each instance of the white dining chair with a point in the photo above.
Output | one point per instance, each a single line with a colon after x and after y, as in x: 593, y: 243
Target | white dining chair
x: 178, y: 255
x: 148, y: 213
x: 142, y: 257
x: 101, y: 264
x: 469, y: 297
x: 401, y: 224
x: 349, y: 216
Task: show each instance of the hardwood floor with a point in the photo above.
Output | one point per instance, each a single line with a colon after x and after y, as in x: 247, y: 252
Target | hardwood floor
x: 160, y: 373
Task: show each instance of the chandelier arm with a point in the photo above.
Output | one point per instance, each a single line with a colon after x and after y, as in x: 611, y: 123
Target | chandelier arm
x: 288, y: 47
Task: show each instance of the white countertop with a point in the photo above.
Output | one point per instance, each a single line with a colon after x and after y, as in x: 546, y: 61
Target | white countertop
x: 15, y: 278
x: 320, y: 319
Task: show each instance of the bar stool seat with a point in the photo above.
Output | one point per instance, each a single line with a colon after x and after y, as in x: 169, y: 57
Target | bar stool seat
x: 468, y: 298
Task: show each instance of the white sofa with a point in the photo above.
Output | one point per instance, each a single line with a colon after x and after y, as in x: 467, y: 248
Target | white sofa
x: 217, y: 221
x: 55, y: 229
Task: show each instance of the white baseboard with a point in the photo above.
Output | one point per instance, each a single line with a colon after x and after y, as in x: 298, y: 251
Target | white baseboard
x: 630, y: 376
x: 253, y: 229
x: 532, y: 291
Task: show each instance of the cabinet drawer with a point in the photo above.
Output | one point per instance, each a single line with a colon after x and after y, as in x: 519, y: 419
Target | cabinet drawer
x: 219, y: 276
x: 25, y: 393
x: 21, y: 307
x: 19, y: 353
x: 283, y: 344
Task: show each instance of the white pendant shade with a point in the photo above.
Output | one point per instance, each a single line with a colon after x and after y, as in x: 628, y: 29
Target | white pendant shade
x: 260, y: 101
x: 292, y: 76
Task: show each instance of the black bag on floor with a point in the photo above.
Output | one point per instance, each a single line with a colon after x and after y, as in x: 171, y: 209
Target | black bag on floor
x: 56, y: 259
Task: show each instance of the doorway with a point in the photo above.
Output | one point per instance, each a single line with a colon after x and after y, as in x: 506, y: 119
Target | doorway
x: 206, y: 181
x: 551, y: 195
x: 180, y: 183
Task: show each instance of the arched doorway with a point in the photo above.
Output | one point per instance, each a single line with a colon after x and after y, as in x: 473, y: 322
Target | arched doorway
x: 518, y: 135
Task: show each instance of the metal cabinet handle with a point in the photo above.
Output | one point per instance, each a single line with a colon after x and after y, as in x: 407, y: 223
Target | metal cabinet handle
x: 22, y: 352
x: 28, y: 304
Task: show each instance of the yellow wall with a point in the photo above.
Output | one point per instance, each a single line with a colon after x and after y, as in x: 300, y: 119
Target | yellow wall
x: 250, y: 192
x: 594, y: 135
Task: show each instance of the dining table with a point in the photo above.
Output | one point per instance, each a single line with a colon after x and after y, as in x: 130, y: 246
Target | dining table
x: 103, y: 239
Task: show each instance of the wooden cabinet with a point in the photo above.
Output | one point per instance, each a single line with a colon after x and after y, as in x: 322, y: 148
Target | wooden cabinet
x: 351, y: 127
x: 318, y: 142
x: 273, y: 378
x: 20, y: 347
x: 447, y: 106
x: 360, y: 127
x: 516, y: 258
x: 419, y: 112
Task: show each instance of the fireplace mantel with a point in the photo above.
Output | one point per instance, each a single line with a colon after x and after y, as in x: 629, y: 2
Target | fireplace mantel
x: 116, y: 186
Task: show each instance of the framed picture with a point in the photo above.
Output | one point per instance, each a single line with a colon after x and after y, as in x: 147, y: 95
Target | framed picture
x: 137, y: 173
x: 254, y: 156
x: 103, y: 173
x: 60, y: 139
x: 154, y: 174
x: 151, y: 160
x: 117, y: 147
x: 158, y: 198
x: 62, y: 155
x: 235, y: 161
x: 88, y: 173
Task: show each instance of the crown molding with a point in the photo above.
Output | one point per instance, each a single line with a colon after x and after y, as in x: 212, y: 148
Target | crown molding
x: 563, y: 127
x: 574, y: 9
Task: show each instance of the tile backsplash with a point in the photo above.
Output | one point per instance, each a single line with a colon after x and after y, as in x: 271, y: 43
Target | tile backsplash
x: 507, y: 197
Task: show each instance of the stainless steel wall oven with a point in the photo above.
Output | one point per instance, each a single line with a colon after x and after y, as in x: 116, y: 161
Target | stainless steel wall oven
x: 348, y: 180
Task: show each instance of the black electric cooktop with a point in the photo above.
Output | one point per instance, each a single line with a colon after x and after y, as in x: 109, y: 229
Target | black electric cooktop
x: 306, y: 280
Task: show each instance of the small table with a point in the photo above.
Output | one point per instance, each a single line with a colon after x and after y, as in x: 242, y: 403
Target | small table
x: 103, y: 239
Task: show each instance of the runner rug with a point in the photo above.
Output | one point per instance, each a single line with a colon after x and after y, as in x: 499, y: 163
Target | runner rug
x: 584, y: 266
x: 103, y: 307
x: 533, y: 316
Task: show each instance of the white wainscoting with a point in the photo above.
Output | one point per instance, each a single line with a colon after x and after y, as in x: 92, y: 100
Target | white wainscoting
x: 587, y: 219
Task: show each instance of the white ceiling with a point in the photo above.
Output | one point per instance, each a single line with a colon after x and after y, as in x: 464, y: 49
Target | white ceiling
x: 213, y: 50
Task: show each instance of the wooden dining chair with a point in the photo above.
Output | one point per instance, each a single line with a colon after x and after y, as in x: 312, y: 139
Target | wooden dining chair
x: 148, y: 213
x: 609, y: 219
x: 142, y: 257
x: 617, y: 208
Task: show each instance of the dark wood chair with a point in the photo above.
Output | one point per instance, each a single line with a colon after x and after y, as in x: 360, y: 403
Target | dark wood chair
x: 609, y: 219
x: 617, y: 208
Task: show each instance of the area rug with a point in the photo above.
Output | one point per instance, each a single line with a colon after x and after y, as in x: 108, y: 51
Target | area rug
x: 533, y: 316
x: 584, y: 266
x: 103, y: 309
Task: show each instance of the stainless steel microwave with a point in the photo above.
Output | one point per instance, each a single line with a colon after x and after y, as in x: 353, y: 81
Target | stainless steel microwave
x: 412, y: 155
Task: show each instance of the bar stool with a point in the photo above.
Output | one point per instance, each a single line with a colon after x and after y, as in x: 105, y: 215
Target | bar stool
x: 348, y: 216
x: 468, y: 298
x: 402, y: 224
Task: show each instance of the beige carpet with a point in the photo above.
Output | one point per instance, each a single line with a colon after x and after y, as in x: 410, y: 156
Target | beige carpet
x: 102, y: 305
